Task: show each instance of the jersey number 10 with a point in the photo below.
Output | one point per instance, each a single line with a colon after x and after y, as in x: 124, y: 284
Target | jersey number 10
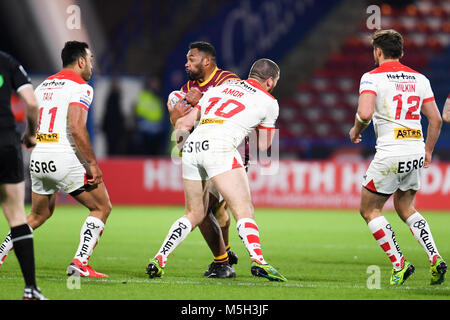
x: 238, y: 107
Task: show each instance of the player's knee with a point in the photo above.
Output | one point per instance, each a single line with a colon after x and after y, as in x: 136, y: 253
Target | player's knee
x: 36, y: 219
x: 106, y: 209
x: 195, y: 217
x: 369, y: 215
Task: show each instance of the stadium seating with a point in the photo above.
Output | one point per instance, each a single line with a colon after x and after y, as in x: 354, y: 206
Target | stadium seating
x: 326, y: 104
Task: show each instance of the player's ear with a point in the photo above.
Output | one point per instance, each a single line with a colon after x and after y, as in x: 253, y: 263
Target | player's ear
x: 81, y: 62
x: 207, y: 61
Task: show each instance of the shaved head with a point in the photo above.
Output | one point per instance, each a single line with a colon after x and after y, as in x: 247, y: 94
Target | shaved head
x: 264, y: 69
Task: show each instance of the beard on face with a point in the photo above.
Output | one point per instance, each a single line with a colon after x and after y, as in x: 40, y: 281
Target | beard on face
x: 193, y: 76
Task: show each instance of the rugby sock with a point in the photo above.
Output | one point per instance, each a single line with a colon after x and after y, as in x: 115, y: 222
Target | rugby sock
x: 22, y: 239
x: 222, y: 258
x: 385, y: 236
x: 90, y: 234
x: 5, y: 248
x: 421, y: 231
x: 249, y: 234
x: 177, y: 233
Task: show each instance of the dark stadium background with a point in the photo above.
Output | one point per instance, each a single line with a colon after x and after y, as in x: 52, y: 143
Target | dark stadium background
x: 322, y: 48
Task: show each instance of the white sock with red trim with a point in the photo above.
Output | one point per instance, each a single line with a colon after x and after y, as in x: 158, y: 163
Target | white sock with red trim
x: 421, y: 231
x: 91, y: 232
x: 177, y: 233
x: 249, y: 234
x: 385, y: 236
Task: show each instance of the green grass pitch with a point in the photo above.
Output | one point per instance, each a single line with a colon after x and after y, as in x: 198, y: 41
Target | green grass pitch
x: 325, y: 254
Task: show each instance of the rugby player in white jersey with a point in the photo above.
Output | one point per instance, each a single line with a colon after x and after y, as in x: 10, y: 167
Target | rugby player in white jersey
x: 63, y: 158
x: 227, y: 113
x: 393, y: 96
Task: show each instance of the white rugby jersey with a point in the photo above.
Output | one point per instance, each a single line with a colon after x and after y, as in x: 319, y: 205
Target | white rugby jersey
x: 230, y: 111
x: 400, y: 92
x: 54, y: 96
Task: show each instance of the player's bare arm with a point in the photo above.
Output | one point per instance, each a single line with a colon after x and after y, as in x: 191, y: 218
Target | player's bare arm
x: 27, y: 95
x: 184, y: 125
x: 431, y: 111
x: 446, y: 111
x: 77, y: 118
x: 366, y: 106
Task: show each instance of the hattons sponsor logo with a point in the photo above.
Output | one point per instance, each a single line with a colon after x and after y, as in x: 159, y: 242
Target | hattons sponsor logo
x: 401, y: 133
x: 54, y: 83
x: 401, y: 77
x: 47, y: 137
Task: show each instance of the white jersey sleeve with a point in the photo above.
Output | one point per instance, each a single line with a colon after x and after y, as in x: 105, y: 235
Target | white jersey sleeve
x: 271, y: 116
x: 368, y: 84
x: 82, y: 96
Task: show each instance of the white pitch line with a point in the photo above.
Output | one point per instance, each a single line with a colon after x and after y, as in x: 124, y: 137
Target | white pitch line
x: 244, y: 284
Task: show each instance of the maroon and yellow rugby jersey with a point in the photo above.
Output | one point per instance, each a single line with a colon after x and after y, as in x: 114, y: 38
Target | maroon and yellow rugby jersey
x: 216, y: 78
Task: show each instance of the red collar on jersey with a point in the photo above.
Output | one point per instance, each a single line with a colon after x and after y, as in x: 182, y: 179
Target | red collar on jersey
x: 69, y: 75
x: 257, y: 85
x: 392, y: 66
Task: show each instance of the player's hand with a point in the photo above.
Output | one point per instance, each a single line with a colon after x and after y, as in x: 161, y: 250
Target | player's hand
x: 96, y: 175
x: 427, y: 161
x: 353, y: 137
x: 193, y: 96
x: 179, y: 110
x: 29, y: 141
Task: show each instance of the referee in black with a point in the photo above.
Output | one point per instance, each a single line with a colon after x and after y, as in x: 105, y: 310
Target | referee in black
x: 12, y: 185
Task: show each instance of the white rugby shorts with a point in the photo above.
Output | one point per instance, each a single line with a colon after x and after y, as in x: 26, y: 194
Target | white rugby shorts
x: 386, y: 174
x: 201, y: 162
x: 52, y: 172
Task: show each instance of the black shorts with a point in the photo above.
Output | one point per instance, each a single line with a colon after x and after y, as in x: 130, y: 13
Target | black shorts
x: 11, y: 160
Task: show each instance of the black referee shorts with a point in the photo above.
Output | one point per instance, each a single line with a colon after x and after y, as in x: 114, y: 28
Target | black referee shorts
x: 11, y: 160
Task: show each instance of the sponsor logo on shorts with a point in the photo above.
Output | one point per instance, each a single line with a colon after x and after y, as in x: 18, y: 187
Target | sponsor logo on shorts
x: 407, y: 166
x: 402, y: 133
x: 208, y: 121
x: 47, y: 137
x: 196, y: 146
x: 42, y: 166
